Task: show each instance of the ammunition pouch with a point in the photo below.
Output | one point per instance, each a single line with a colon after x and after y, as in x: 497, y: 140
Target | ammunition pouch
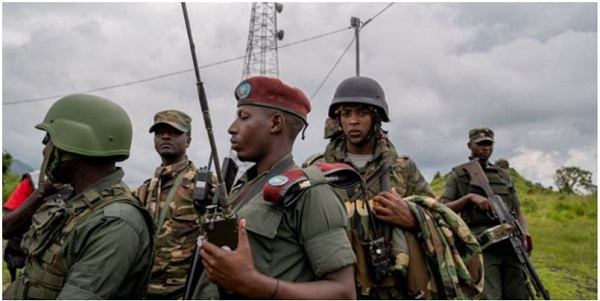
x: 493, y: 235
x: 46, y: 223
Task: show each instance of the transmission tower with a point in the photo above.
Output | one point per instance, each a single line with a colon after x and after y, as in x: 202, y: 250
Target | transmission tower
x: 261, y: 50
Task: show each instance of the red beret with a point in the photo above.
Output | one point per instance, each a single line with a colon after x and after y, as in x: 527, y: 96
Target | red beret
x: 272, y: 93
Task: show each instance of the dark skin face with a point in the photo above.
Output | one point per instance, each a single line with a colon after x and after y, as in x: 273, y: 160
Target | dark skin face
x: 356, y: 122
x: 248, y: 132
x: 170, y: 143
x: 482, y: 150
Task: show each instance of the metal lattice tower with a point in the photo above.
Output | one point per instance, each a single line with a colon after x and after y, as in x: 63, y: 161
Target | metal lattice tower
x: 261, y: 50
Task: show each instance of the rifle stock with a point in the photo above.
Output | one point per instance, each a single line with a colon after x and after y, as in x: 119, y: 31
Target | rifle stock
x: 507, y: 219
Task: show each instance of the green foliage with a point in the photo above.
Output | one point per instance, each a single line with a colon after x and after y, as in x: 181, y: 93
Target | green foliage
x: 6, y: 162
x: 564, y: 231
x: 572, y: 179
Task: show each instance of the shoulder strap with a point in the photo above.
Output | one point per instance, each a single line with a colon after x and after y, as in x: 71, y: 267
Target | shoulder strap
x: 386, y: 181
x: 255, y: 187
x: 166, y: 206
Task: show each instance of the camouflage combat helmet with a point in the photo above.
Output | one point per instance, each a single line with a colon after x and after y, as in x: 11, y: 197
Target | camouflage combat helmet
x: 89, y: 125
x: 360, y: 89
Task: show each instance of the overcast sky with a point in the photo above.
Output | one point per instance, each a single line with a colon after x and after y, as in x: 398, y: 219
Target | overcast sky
x: 528, y: 71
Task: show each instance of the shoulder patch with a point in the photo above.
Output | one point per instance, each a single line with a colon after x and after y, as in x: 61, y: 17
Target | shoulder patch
x: 278, y: 180
x: 284, y: 189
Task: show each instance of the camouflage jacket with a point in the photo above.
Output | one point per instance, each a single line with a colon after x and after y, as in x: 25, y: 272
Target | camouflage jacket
x: 176, y: 238
x: 441, y: 260
x: 403, y: 175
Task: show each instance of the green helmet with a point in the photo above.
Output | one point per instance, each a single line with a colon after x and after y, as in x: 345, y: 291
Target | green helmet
x: 360, y: 89
x: 89, y: 125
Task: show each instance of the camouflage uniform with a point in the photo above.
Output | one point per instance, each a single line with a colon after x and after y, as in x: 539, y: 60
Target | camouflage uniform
x: 176, y: 238
x: 406, y: 178
x: 177, y: 227
x: 412, y: 265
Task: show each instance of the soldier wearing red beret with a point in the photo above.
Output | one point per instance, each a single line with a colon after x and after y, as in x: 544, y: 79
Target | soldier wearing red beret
x: 295, y: 252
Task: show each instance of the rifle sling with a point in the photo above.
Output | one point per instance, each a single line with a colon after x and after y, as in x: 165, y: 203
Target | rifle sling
x: 166, y: 207
x: 475, y: 170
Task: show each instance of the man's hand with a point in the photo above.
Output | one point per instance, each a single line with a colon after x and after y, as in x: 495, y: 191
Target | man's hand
x: 232, y: 270
x: 481, y: 202
x: 389, y: 207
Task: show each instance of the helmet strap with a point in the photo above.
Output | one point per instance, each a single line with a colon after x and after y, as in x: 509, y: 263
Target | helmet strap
x: 48, y: 153
x: 304, y: 129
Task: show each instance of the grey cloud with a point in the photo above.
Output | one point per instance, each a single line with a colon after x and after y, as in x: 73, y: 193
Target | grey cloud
x: 526, y: 70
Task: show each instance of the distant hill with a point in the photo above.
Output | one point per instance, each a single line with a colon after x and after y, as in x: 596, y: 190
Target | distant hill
x: 522, y: 185
x: 18, y: 167
x: 564, y: 229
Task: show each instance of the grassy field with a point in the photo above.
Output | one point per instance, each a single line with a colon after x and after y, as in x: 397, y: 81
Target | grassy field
x: 565, y: 240
x: 564, y: 231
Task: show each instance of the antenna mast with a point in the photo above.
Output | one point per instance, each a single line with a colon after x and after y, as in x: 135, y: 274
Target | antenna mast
x: 261, y: 50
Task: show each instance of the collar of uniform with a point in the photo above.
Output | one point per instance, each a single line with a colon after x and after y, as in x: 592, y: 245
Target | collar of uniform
x: 171, y: 171
x: 100, y: 185
x: 335, y: 151
x: 252, y: 173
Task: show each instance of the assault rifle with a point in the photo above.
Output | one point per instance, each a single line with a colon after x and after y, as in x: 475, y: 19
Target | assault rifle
x: 509, y: 227
x: 218, y: 223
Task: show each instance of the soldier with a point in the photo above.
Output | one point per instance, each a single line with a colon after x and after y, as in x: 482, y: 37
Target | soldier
x: 168, y: 198
x: 504, y: 275
x: 358, y: 108
x: 98, y: 244
x: 13, y: 254
x: 295, y: 252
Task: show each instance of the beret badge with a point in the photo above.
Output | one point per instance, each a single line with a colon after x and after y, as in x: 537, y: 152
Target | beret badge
x: 243, y: 90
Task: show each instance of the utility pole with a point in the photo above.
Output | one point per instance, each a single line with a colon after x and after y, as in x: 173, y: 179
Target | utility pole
x: 355, y: 22
x: 261, y: 49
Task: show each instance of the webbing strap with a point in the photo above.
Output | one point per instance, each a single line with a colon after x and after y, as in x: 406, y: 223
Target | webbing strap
x: 40, y: 292
x: 315, y: 175
x: 166, y: 207
x: 34, y: 272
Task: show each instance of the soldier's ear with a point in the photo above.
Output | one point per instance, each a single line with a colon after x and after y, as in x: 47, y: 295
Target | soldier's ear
x: 277, y: 121
x: 188, y: 140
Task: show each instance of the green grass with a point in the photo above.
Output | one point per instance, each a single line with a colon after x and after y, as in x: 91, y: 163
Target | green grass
x: 565, y: 238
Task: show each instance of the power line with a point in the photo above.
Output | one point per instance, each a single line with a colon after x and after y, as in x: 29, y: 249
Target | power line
x: 333, y: 68
x: 167, y: 74
x: 346, y: 50
x: 377, y: 14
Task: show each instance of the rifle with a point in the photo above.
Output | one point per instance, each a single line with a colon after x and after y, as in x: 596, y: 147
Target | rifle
x: 509, y: 227
x: 218, y: 222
